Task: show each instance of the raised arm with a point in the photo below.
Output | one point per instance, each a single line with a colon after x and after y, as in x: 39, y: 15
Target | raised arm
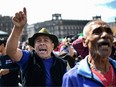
x: 19, y: 21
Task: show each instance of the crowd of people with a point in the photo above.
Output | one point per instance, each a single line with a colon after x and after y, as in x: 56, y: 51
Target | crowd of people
x: 43, y: 61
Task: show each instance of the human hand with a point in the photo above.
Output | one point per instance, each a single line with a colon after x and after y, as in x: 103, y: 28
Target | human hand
x: 20, y: 19
x: 4, y: 72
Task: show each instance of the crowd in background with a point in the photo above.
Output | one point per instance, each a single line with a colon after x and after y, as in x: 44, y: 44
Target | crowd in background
x: 71, y: 50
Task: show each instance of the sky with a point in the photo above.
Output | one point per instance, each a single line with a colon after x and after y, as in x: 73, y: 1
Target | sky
x: 42, y: 10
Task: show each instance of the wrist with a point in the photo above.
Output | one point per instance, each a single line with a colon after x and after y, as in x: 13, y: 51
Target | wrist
x: 18, y: 27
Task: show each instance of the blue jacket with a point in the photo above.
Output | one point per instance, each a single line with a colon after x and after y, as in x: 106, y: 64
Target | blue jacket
x: 81, y: 75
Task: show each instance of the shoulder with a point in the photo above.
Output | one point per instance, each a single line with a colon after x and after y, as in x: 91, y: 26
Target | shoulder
x: 76, y: 70
x: 59, y: 59
x: 26, y: 53
x: 24, y: 58
x: 113, y: 62
x: 71, y: 74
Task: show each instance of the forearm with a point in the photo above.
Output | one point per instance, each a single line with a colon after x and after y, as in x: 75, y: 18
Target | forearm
x: 19, y: 21
x: 12, y: 42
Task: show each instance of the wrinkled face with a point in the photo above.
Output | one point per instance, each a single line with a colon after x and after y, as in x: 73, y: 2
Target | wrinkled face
x: 99, y: 40
x: 44, y: 46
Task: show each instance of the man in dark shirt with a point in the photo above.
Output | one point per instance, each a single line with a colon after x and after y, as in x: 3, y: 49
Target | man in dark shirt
x: 8, y: 69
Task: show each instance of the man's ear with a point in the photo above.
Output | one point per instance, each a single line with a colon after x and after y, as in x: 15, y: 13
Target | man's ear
x: 85, y: 42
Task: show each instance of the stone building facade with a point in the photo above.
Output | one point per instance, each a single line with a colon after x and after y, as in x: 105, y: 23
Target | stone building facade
x: 59, y: 26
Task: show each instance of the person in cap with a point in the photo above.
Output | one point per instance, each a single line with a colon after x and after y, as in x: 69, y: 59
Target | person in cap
x: 9, y: 70
x: 97, y: 69
x: 40, y: 67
